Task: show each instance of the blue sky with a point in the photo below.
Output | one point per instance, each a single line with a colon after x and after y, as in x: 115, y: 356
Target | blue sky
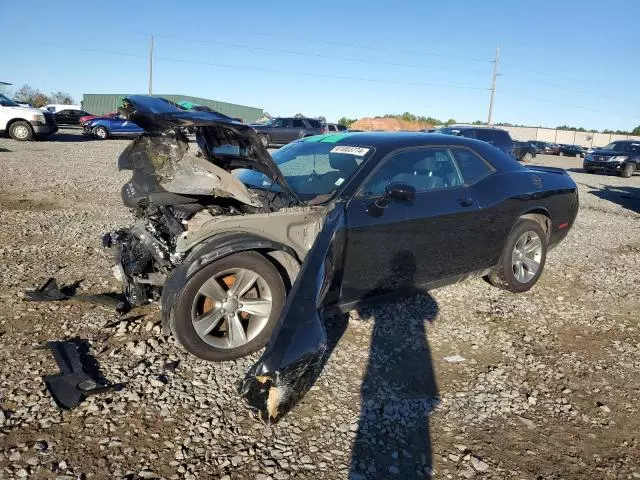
x: 562, y: 62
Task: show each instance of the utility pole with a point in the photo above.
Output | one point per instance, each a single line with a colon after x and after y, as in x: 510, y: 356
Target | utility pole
x: 493, y: 84
x: 151, y: 67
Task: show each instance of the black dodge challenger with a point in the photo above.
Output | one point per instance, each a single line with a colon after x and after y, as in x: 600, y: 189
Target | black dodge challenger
x: 245, y: 249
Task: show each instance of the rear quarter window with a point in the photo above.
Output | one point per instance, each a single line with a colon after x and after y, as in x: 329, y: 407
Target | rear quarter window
x: 314, y: 123
x: 472, y: 167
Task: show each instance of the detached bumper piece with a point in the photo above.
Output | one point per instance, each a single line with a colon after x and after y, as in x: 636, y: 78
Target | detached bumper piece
x: 295, y: 355
x: 73, y: 384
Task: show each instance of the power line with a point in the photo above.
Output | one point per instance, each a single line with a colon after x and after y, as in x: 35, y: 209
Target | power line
x: 318, y: 75
x: 569, y: 105
x: 318, y: 55
x: 361, y: 46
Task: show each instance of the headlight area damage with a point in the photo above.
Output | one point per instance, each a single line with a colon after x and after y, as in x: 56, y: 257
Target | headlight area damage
x: 295, y: 355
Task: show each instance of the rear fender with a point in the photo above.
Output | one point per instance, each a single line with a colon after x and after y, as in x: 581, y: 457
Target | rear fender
x: 207, y: 252
x: 294, y: 356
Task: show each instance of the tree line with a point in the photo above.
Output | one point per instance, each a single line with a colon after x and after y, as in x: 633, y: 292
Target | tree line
x: 37, y: 98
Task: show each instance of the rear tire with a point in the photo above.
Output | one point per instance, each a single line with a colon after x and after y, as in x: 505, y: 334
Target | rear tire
x: 561, y: 154
x: 523, y: 258
x: 527, y: 157
x: 21, y: 131
x: 264, y: 139
x: 627, y: 170
x: 216, y: 344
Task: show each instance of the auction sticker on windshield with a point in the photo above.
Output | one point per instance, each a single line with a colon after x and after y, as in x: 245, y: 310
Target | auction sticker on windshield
x: 357, y: 151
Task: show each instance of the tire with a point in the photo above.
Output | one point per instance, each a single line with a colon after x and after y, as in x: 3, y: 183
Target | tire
x: 265, y: 140
x: 561, y: 154
x: 217, y: 344
x: 503, y: 275
x: 101, y: 132
x: 588, y: 170
x: 627, y: 170
x: 21, y: 131
x: 578, y: 155
x: 527, y: 157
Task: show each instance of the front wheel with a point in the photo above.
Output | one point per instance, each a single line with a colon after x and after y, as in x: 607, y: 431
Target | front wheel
x: 21, y: 131
x: 522, y: 259
x: 627, y: 170
x: 264, y: 139
x: 229, y: 308
x: 101, y: 133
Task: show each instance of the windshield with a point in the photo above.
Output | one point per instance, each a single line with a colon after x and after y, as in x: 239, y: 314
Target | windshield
x: 311, y: 168
x: 7, y: 102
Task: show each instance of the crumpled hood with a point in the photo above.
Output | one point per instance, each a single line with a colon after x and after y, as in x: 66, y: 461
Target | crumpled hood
x: 215, y: 134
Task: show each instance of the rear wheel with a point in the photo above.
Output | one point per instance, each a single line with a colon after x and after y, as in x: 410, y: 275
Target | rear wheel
x: 561, y: 154
x: 627, y: 170
x: 21, y: 131
x: 527, y: 157
x: 522, y: 259
x: 229, y: 308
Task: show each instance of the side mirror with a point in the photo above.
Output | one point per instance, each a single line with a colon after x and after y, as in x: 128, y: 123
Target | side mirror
x: 400, y: 192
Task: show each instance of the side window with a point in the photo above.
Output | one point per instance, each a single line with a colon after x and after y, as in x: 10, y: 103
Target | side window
x: 502, y: 136
x: 297, y: 123
x: 278, y: 122
x: 341, y: 128
x: 472, y: 167
x: 288, y: 122
x: 332, y: 128
x: 424, y: 169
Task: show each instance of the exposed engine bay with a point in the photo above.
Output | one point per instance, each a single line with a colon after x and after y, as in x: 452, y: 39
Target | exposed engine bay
x: 183, y: 193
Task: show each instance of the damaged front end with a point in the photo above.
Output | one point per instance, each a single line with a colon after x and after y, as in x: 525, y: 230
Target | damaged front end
x: 173, y: 180
x: 295, y: 354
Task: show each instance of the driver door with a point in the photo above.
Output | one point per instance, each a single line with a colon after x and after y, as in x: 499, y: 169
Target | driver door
x: 409, y: 244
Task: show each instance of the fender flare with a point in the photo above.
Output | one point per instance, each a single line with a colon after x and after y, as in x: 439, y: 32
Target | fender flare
x: 212, y: 249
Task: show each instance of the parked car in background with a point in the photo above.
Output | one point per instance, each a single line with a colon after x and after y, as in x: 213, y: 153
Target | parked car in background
x: 336, y: 127
x: 84, y: 119
x: 621, y: 157
x: 69, y: 116
x: 25, y: 123
x: 105, y: 127
x: 55, y: 107
x: 282, y: 130
x: 546, y: 148
x: 495, y: 136
x: 524, y: 151
x: 571, y: 150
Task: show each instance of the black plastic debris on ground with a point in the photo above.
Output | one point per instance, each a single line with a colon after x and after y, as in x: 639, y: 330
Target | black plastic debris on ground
x: 79, y: 374
x: 50, y: 292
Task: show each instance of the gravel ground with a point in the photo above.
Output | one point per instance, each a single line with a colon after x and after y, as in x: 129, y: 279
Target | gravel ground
x: 468, y: 382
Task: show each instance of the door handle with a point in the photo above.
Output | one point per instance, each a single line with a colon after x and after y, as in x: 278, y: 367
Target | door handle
x: 465, y: 202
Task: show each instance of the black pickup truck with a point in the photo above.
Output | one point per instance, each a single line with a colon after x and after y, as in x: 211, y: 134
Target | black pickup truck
x: 621, y: 157
x: 280, y: 131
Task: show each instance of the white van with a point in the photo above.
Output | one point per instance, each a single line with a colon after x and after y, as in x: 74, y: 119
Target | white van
x: 56, y: 107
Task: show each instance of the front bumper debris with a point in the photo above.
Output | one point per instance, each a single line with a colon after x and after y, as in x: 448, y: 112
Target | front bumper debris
x: 79, y: 376
x: 295, y: 355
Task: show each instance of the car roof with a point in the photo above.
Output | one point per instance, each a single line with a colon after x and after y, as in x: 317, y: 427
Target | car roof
x: 472, y: 127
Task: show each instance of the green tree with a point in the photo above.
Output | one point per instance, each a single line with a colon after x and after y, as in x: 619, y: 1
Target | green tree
x: 346, y: 121
x: 451, y: 121
x: 478, y: 122
x: 636, y: 131
x: 322, y: 119
x: 298, y: 115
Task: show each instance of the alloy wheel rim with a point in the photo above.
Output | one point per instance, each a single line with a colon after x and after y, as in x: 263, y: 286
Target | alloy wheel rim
x: 526, y: 256
x: 21, y: 131
x: 231, y: 308
x: 264, y: 140
x: 101, y: 133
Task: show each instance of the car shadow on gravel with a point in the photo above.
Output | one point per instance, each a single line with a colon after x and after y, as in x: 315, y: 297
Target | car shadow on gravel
x: 626, y: 197
x: 399, y: 388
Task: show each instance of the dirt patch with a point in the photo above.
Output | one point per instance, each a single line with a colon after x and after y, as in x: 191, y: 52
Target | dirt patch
x: 12, y: 202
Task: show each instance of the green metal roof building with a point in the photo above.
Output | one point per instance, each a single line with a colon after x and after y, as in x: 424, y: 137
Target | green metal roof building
x: 101, y: 103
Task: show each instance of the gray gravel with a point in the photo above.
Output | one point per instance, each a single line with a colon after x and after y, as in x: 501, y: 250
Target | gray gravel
x: 546, y: 386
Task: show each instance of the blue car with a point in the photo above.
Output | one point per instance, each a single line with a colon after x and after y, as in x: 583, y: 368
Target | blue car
x: 105, y: 127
